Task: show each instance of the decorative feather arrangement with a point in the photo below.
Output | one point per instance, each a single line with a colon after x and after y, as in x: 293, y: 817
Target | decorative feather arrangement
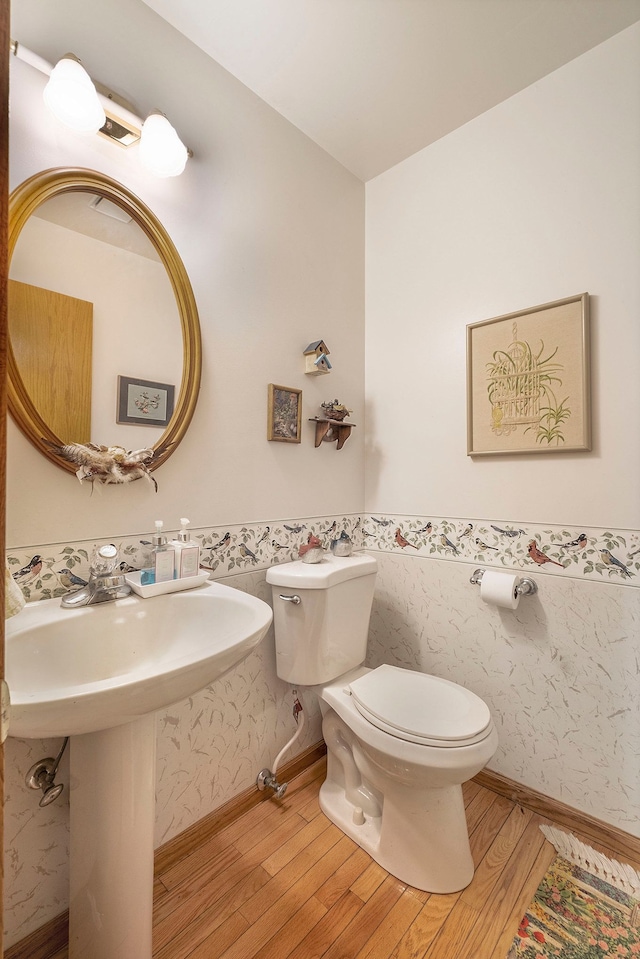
x: 107, y: 464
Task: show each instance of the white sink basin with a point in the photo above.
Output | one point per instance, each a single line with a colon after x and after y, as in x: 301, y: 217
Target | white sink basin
x: 74, y: 671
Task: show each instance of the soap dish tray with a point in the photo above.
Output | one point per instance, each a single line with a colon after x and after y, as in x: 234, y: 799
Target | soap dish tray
x: 171, y: 586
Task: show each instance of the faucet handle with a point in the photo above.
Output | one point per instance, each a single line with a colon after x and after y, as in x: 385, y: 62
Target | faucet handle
x: 104, y: 559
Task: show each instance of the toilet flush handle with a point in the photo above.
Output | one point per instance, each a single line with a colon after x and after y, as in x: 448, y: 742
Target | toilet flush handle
x: 295, y: 599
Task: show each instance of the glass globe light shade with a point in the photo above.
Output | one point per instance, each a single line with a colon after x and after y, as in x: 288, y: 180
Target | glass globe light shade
x: 72, y: 97
x: 162, y: 151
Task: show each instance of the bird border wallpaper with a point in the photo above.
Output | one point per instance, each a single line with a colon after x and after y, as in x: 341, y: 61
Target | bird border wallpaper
x: 528, y: 380
x: 579, y: 553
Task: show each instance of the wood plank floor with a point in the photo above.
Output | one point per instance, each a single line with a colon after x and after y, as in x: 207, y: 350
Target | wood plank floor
x: 282, y: 881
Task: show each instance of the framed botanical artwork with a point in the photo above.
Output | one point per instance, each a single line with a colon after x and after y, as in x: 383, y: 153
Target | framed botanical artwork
x: 144, y: 402
x: 284, y: 414
x: 528, y: 384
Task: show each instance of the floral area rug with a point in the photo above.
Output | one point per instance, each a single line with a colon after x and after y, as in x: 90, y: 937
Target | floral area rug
x: 586, y: 907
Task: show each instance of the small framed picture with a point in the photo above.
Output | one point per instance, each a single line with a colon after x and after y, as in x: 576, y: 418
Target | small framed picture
x: 144, y: 402
x: 528, y: 381
x: 284, y: 414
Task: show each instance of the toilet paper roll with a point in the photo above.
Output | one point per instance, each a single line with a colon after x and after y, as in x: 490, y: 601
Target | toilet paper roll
x: 499, y: 589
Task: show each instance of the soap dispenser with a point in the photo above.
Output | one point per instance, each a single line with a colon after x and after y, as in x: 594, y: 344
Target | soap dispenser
x: 187, y: 552
x: 162, y: 556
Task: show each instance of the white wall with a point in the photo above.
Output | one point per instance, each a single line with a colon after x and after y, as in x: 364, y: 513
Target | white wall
x: 270, y: 229
x: 536, y: 200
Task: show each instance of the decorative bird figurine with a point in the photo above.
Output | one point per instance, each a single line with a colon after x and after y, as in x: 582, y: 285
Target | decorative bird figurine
x: 226, y: 539
x: 106, y: 464
x: 426, y: 529
x: 246, y: 553
x: 29, y: 572
x: 539, y: 557
x: 312, y: 543
x: 449, y: 545
x: 609, y: 559
x: 508, y: 532
x: 294, y: 529
x: 482, y: 546
x: 401, y: 541
x: 576, y: 544
x: 342, y: 545
x: 69, y: 580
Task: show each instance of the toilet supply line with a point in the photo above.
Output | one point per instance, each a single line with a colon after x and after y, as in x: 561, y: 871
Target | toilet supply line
x: 266, y: 777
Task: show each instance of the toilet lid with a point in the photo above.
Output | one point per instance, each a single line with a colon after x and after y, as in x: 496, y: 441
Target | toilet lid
x: 421, y: 708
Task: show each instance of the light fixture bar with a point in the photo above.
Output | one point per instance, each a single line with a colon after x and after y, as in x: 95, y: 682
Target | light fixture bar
x: 122, y: 125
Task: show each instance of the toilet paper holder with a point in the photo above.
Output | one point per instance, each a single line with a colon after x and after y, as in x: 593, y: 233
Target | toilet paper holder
x: 526, y: 587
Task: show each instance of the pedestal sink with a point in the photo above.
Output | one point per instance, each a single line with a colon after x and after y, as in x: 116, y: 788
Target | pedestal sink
x: 98, y: 674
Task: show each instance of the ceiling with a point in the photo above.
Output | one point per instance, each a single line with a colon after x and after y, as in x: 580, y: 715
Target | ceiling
x: 374, y: 81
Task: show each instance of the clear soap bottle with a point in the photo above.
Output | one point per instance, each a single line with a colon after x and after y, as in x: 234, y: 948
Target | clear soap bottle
x: 162, y: 556
x: 187, y: 552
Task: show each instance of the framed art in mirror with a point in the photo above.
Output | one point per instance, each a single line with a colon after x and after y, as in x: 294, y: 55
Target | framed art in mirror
x: 143, y: 402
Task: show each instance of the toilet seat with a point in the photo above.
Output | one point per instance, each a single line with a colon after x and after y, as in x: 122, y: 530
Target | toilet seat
x: 420, y: 708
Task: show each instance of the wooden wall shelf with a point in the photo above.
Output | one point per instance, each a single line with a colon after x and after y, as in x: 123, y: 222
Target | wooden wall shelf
x: 331, y: 430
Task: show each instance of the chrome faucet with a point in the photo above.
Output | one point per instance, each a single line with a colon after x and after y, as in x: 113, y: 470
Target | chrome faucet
x: 105, y: 584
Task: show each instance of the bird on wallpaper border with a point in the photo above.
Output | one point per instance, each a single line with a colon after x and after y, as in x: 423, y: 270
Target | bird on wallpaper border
x: 508, y: 532
x: 426, y: 529
x: 609, y: 559
x: 223, y: 542
x: 293, y: 529
x: 246, y: 553
x: 31, y: 571
x: 69, y: 580
x: 482, y: 546
x: 539, y: 557
x: 264, y: 536
x: 449, y: 545
x: 106, y: 464
x: 332, y: 529
x: 467, y: 531
x: 402, y: 541
x: 581, y: 542
x: 382, y: 522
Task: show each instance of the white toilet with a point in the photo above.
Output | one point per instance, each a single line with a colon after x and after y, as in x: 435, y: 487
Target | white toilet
x: 399, y: 743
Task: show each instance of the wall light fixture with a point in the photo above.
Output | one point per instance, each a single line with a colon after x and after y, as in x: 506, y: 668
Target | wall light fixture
x: 86, y: 106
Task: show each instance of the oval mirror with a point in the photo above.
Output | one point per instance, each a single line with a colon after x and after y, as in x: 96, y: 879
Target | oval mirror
x: 104, y: 338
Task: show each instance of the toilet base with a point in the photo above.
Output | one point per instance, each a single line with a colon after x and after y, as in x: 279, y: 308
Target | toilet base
x: 420, y: 839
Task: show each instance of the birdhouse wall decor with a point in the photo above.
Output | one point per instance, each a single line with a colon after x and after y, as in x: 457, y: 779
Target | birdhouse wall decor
x: 330, y: 426
x: 316, y: 358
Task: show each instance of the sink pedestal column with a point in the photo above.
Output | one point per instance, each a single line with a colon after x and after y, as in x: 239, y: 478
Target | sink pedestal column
x: 112, y: 823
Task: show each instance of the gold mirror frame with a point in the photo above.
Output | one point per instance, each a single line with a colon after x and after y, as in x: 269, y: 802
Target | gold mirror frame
x: 22, y: 203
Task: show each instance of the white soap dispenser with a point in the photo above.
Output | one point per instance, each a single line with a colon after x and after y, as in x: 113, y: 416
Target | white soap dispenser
x: 162, y: 556
x: 187, y: 552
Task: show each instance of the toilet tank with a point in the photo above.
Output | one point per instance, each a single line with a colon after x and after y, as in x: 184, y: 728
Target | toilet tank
x: 325, y: 634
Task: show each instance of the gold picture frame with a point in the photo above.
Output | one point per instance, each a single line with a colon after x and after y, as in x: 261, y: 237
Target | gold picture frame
x: 284, y: 417
x: 528, y: 387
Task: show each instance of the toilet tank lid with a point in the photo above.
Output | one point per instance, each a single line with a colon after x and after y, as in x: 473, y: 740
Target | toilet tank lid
x: 328, y: 572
